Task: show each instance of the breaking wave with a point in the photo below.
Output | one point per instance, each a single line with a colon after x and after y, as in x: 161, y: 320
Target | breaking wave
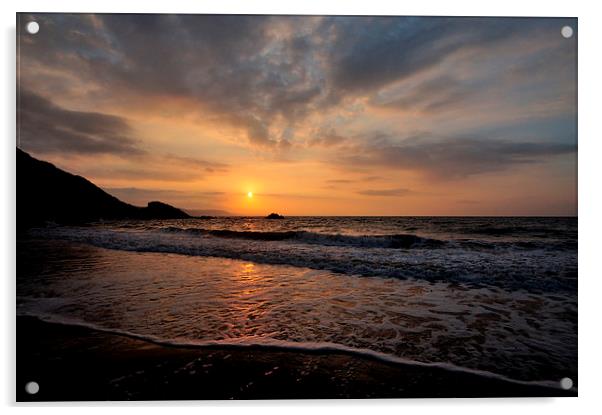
x: 400, y: 241
x: 395, y: 241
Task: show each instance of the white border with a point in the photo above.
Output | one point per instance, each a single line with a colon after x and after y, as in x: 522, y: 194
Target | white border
x: 590, y: 200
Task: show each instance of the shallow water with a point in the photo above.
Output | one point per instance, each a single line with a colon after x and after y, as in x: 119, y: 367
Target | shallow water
x: 475, y: 315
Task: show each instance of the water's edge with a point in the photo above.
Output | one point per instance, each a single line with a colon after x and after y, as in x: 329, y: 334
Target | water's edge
x: 271, y: 344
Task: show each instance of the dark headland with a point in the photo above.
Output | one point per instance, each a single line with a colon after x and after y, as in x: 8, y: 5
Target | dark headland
x: 46, y: 193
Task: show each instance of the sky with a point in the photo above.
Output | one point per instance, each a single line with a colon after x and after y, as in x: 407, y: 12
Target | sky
x: 314, y: 115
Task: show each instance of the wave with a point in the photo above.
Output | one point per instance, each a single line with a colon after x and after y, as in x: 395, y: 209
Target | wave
x: 473, y: 262
x: 533, y: 231
x: 399, y: 241
x: 275, y: 344
x: 394, y: 241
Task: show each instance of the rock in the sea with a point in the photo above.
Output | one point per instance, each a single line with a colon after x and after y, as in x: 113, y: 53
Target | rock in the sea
x: 274, y: 216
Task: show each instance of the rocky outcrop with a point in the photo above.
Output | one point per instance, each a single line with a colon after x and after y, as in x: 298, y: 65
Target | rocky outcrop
x: 46, y: 193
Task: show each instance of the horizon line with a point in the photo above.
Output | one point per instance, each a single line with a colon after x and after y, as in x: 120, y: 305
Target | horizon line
x: 391, y: 216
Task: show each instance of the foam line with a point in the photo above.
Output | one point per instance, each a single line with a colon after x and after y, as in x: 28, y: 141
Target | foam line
x: 314, y: 347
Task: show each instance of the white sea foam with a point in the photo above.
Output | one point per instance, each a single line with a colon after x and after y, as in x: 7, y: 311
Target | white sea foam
x: 255, y: 342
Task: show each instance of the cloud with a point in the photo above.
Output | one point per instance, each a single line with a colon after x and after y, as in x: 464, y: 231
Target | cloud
x: 336, y: 183
x: 364, y: 179
x: 452, y: 157
x: 137, y: 173
x: 249, y: 71
x: 304, y: 87
x: 433, y: 95
x: 293, y: 196
x: 261, y: 74
x: 371, y: 52
x: 386, y: 192
x: 194, y: 163
x: 371, y: 178
x: 327, y: 138
x: 164, y: 168
x: 45, y: 127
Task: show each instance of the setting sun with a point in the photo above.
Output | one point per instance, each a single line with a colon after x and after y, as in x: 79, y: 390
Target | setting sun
x: 250, y: 195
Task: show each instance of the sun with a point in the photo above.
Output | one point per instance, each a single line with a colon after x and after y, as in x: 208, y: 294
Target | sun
x: 250, y: 195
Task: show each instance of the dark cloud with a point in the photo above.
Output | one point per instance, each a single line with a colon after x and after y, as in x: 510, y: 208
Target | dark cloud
x: 264, y: 74
x: 452, y: 157
x: 386, y: 192
x: 47, y: 128
x: 239, y: 69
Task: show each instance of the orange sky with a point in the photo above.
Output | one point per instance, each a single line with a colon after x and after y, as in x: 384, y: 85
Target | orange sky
x: 315, y: 116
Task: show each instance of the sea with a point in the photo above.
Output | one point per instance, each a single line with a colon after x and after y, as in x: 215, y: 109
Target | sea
x: 491, y: 295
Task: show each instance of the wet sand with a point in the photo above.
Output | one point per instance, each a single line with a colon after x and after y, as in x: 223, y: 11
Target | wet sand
x: 75, y: 363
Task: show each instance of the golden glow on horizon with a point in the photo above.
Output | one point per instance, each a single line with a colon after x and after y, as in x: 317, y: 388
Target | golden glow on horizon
x: 250, y: 195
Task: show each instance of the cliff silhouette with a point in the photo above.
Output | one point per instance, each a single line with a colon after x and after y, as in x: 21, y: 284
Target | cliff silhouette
x: 46, y: 193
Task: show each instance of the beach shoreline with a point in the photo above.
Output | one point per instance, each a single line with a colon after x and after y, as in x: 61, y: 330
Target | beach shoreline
x: 73, y: 363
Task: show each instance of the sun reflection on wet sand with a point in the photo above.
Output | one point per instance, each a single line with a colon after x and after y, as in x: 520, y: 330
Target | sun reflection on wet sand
x: 248, y: 304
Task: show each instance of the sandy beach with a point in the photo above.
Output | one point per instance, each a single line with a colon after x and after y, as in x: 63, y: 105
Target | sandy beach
x: 75, y: 363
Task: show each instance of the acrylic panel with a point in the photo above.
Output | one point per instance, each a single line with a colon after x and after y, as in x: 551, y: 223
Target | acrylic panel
x: 292, y: 207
